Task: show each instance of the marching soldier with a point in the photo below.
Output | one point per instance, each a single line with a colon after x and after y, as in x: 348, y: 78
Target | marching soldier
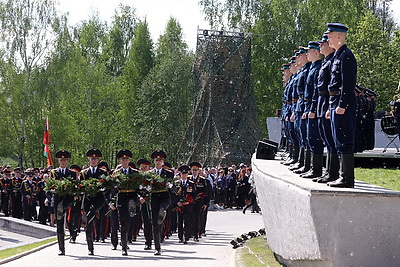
x: 160, y: 200
x: 186, y: 192
x: 92, y: 204
x: 144, y: 166
x: 127, y: 200
x: 202, y: 200
x: 342, y: 102
x: 62, y: 203
x: 74, y: 214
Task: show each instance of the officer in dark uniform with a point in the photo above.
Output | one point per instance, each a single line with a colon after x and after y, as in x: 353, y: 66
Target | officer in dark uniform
x: 202, y: 200
x: 127, y: 200
x: 16, y: 198
x: 342, y: 102
x: 300, y: 115
x: 62, y: 203
x: 186, y: 193
x: 324, y: 123
x: 290, y: 118
x: 160, y: 200
x: 314, y: 140
x: 144, y: 199
x: 92, y: 204
x: 6, y: 184
x: 27, y: 188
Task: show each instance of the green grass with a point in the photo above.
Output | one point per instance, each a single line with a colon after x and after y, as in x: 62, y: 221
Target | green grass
x: 387, y: 178
x: 255, y: 252
x: 6, y: 253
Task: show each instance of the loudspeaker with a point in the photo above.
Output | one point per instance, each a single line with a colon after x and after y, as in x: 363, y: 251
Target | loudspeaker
x: 266, y: 149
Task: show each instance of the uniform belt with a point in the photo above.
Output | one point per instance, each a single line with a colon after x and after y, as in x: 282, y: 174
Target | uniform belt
x: 160, y: 191
x: 295, y: 100
x: 308, y: 99
x: 333, y: 93
x: 321, y: 93
x: 126, y: 190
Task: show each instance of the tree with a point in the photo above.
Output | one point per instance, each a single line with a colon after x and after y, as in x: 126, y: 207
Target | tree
x: 27, y: 34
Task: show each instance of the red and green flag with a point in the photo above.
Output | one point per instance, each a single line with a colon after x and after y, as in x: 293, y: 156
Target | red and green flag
x: 46, y: 143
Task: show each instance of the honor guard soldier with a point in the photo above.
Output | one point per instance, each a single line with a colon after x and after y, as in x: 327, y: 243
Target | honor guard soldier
x: 202, y: 200
x: 62, y: 203
x: 160, y: 200
x: 74, y: 214
x: 342, y: 102
x: 314, y: 140
x: 186, y: 193
x: 94, y: 203
x: 27, y: 188
x: 127, y: 200
x: 324, y: 123
x: 144, y: 166
x: 301, y: 116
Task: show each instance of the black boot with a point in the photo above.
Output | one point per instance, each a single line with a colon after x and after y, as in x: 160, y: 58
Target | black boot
x: 316, y: 170
x: 294, y: 155
x: 307, y: 162
x: 333, y: 167
x: 300, y: 160
x: 346, y: 178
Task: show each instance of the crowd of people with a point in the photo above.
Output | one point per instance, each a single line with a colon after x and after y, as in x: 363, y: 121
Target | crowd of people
x: 181, y: 207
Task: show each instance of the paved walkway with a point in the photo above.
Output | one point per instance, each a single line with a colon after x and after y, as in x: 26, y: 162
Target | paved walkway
x: 10, y: 239
x: 212, y: 250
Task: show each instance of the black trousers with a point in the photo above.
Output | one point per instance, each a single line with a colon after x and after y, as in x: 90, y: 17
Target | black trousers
x: 114, y: 226
x: 196, y: 217
x: 74, y: 219
x: 147, y: 228
x: 185, y: 222
x: 92, y: 204
x: 5, y: 197
x: 62, y: 203
x: 159, y: 205
x: 127, y: 207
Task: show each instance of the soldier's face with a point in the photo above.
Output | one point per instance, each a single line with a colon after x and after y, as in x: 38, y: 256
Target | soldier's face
x: 158, y: 163
x: 144, y: 168
x: 124, y: 162
x: 93, y: 162
x: 184, y: 175
x: 63, y: 163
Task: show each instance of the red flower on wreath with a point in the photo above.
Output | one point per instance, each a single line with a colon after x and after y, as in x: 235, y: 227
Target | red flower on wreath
x: 53, y: 187
x: 80, y: 185
x: 101, y: 180
x: 163, y: 184
x: 189, y: 198
x: 202, y: 195
x: 145, y: 182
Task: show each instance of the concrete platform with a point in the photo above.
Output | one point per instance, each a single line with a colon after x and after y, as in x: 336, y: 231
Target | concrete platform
x: 311, y: 224
x: 27, y: 228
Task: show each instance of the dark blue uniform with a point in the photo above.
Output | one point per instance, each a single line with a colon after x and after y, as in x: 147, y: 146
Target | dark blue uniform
x: 341, y: 90
x: 324, y: 124
x: 342, y: 94
x: 301, y: 86
x: 311, y: 97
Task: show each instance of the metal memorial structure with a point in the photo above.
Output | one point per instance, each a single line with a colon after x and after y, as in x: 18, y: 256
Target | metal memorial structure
x: 224, y: 128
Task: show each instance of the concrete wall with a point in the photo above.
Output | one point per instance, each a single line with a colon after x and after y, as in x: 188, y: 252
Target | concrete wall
x: 311, y: 224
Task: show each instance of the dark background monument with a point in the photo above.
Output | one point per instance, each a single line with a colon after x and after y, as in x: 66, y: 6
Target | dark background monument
x: 224, y: 128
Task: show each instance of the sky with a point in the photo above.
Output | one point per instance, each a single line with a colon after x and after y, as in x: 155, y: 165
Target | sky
x: 157, y: 13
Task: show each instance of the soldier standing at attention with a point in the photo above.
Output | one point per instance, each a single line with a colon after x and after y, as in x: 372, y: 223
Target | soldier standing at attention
x: 342, y: 102
x: 324, y: 124
x: 311, y: 98
x: 160, y: 200
x: 62, y: 203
